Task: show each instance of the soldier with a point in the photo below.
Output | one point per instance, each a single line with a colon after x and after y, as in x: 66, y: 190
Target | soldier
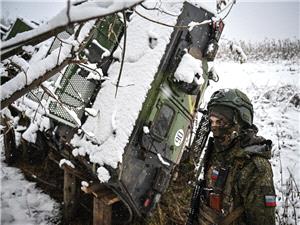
x: 238, y: 176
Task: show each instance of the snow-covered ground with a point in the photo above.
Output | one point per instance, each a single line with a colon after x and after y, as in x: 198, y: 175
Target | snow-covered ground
x: 22, y: 203
x: 271, y: 88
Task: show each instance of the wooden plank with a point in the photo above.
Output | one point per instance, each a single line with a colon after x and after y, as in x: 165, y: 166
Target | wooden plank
x: 75, y: 172
x: 86, y: 175
x: 101, y: 213
x: 9, y: 141
x: 110, y: 199
x: 102, y: 192
x: 94, y: 188
x: 70, y: 196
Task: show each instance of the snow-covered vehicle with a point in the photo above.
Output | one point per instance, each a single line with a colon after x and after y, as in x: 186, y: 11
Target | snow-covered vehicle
x: 166, y: 120
x: 128, y: 143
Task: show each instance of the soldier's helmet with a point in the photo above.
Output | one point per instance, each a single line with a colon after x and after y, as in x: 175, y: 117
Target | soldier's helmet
x: 236, y: 100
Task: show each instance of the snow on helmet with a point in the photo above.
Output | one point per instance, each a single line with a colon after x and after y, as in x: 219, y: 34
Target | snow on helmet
x: 235, y: 99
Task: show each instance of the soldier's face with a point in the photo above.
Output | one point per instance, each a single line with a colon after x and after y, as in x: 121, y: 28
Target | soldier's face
x: 222, y: 128
x: 216, y: 121
x: 219, y: 126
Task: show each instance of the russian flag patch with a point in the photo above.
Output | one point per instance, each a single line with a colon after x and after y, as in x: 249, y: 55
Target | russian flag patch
x: 270, y: 200
x: 214, y: 175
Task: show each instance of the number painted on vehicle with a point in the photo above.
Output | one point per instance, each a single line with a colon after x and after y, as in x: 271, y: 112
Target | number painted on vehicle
x: 179, y: 136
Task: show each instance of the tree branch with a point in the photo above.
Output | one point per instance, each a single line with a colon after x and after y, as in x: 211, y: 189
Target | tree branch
x: 123, y: 53
x: 44, y: 32
x: 6, y: 102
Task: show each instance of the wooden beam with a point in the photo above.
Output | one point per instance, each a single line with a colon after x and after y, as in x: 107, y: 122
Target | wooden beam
x: 101, y: 213
x: 102, y: 192
x: 10, y: 148
x: 110, y: 199
x: 104, y: 198
x: 93, y: 188
x: 75, y: 172
x: 70, y: 196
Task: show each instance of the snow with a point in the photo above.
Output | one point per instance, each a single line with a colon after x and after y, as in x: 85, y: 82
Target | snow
x: 82, y: 12
x: 153, y: 36
x: 35, y: 112
x: 93, y: 76
x: 146, y: 130
x: 162, y: 160
x: 84, y: 186
x: 29, y: 49
x: 41, y: 53
x: 21, y: 201
x: 239, y: 51
x: 271, y: 87
x: 62, y: 162
x: 30, y: 134
x: 20, y: 62
x: 91, y: 111
x: 188, y: 68
x: 113, y: 125
x: 193, y: 24
x: 106, y: 51
x: 103, y: 174
x: 39, y: 68
x: 73, y: 115
x: 95, y: 72
x: 4, y: 27
x: 29, y: 23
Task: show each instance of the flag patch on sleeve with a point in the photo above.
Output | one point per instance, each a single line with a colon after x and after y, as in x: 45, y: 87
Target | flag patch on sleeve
x: 214, y: 175
x: 270, y: 200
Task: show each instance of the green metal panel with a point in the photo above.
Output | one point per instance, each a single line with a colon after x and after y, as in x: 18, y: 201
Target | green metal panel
x: 75, y: 93
x: 18, y: 27
x: 184, y: 107
x: 108, y: 32
x: 75, y: 90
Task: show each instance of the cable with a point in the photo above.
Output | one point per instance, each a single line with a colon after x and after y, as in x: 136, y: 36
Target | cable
x: 229, y: 10
x: 158, y: 9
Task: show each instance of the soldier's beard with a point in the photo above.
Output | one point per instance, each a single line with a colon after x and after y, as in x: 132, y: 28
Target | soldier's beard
x: 224, y: 135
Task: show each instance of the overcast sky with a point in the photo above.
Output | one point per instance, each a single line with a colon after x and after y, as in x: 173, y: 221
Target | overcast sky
x: 248, y: 20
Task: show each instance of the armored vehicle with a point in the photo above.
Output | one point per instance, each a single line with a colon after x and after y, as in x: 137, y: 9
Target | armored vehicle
x: 168, y: 113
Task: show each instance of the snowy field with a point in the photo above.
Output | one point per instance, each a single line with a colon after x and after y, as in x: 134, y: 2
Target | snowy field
x: 274, y: 90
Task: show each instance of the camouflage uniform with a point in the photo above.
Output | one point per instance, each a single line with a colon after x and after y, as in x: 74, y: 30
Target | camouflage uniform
x: 238, y: 178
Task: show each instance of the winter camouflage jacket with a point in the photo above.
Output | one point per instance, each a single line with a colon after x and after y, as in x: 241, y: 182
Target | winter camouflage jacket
x: 239, y: 183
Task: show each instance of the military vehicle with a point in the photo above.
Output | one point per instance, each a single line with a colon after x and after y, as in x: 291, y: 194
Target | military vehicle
x: 168, y: 113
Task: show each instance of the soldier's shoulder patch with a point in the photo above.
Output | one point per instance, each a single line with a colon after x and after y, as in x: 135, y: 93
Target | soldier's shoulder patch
x: 270, y: 200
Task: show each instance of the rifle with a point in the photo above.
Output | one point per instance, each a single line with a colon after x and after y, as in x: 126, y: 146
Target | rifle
x: 198, y: 147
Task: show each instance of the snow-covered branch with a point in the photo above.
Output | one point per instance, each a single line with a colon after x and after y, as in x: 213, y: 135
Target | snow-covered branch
x: 66, y: 18
x: 42, y: 70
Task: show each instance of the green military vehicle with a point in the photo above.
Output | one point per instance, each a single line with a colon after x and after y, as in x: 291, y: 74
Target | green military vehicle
x: 168, y: 113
